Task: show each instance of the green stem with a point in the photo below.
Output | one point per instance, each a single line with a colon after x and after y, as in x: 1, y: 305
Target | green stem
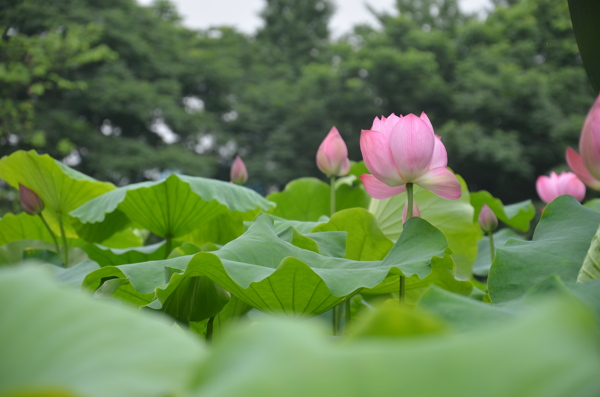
x: 332, y: 196
x: 409, y: 204
x: 168, y: 245
x: 492, y: 248
x: 409, y: 209
x: 209, y: 329
x: 348, y: 312
x: 51, y: 233
x: 337, y: 317
x: 64, y: 239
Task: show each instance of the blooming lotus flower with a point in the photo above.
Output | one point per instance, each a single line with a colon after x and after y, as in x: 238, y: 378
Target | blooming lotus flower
x: 551, y: 187
x: 415, y: 210
x: 401, y: 150
x: 487, y: 219
x: 30, y: 201
x: 586, y: 165
x: 238, y: 173
x: 332, y: 156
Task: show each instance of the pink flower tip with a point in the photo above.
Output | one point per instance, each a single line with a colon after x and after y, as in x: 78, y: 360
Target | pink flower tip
x: 238, y: 174
x: 589, y: 140
x: 332, y: 156
x: 550, y: 187
x: 487, y: 219
x: 30, y: 201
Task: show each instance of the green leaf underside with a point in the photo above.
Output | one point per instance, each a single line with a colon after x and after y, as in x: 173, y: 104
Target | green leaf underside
x: 518, y: 215
x: 175, y: 206
x: 55, y: 338
x: 454, y: 218
x: 274, y: 275
x: 114, y: 256
x: 22, y: 226
x: 307, y: 199
x: 61, y: 188
x: 558, y: 247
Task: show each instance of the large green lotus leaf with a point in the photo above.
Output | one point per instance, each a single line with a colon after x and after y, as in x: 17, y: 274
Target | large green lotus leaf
x: 517, y: 215
x: 593, y: 204
x: 22, y: 227
x: 273, y: 275
x: 550, y: 351
x: 126, y: 238
x: 454, y: 218
x: 482, y: 264
x: 329, y: 243
x: 175, y: 206
x: 219, y: 229
x: 55, y: 339
x: 307, y: 199
x: 303, y: 227
x: 365, y: 241
x: 559, y: 245
x: 72, y: 276
x: 61, y: 188
x: 591, y: 264
x: 105, y: 256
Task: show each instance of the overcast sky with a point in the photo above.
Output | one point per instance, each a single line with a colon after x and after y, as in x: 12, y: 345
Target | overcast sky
x: 243, y: 14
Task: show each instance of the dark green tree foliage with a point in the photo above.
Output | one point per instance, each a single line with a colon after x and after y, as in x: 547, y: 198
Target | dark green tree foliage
x: 116, y: 74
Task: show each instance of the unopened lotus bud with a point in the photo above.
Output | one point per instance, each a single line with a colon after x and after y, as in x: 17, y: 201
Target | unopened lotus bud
x: 332, y: 156
x: 30, y: 201
x: 487, y: 219
x: 238, y: 174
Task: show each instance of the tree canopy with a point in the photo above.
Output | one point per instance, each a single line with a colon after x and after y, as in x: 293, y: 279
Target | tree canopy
x: 125, y: 92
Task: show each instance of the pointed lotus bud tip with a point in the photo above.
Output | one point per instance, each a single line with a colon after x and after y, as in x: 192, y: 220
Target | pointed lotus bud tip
x: 30, y: 201
x: 589, y: 140
x: 238, y: 174
x: 332, y: 156
x: 487, y: 219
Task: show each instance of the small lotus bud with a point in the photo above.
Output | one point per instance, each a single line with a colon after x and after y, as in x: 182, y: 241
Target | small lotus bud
x: 30, y: 201
x: 487, y: 219
x: 332, y: 156
x: 238, y: 174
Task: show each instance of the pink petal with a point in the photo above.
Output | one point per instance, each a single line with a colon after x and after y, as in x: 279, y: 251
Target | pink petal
x: 589, y: 142
x: 390, y: 122
x: 546, y: 188
x: 426, y: 119
x: 440, y: 157
x: 332, y: 154
x: 378, y: 189
x: 487, y: 219
x: 440, y: 181
x: 376, y: 153
x: 576, y: 164
x: 412, y: 143
x: 574, y: 186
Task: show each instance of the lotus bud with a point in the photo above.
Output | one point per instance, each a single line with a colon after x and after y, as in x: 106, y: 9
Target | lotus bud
x: 239, y: 174
x: 487, y: 219
x: 332, y: 156
x: 30, y: 201
x: 415, y: 211
x: 589, y: 140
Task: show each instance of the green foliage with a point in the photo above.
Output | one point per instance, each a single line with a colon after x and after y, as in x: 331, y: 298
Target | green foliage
x: 586, y: 30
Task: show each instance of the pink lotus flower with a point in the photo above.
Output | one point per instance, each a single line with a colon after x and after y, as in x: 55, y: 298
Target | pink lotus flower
x: 30, y: 201
x: 551, y: 187
x: 238, y: 173
x: 401, y: 150
x: 587, y: 165
x: 332, y: 156
x: 487, y: 219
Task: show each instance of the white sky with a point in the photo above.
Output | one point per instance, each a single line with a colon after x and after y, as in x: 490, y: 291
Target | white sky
x: 243, y: 14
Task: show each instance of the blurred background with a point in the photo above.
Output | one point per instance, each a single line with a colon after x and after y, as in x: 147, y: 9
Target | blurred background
x: 127, y: 91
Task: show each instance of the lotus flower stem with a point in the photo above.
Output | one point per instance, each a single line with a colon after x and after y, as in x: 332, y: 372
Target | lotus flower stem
x: 64, y: 239
x: 51, y: 233
x: 347, y: 311
x: 492, y: 248
x: 209, y: 329
x: 337, y: 317
x: 409, y: 210
x: 332, y: 196
x: 168, y: 244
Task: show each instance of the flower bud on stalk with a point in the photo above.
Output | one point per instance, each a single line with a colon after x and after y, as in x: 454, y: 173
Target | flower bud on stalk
x: 238, y: 174
x: 487, y: 220
x: 30, y: 201
x: 332, y: 156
